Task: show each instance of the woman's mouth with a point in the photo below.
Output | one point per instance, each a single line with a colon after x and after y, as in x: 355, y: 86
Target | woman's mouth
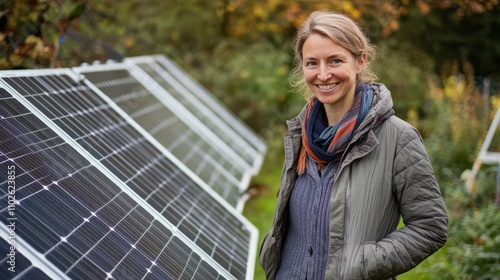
x: 327, y: 87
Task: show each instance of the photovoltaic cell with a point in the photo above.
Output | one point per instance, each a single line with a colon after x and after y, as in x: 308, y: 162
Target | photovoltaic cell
x: 196, y: 107
x: 112, y: 221
x: 63, y: 206
x: 225, y: 174
x: 211, y: 102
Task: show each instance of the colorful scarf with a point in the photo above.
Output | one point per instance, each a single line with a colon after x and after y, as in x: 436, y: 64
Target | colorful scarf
x: 325, y: 144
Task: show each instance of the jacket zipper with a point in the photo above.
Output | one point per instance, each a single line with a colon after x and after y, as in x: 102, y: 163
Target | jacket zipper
x: 346, y: 216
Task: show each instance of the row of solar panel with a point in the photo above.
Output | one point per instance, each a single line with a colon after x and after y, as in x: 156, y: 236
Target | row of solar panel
x: 127, y: 170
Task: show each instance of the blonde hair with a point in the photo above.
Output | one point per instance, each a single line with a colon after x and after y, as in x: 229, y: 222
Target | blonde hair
x: 343, y: 31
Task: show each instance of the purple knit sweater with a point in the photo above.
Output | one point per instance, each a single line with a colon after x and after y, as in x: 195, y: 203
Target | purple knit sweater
x: 305, y: 248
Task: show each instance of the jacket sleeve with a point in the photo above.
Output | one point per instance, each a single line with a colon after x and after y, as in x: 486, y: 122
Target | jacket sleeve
x: 422, y: 209
x: 267, y: 254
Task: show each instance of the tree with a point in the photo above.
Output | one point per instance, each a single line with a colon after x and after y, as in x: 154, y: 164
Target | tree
x: 452, y: 31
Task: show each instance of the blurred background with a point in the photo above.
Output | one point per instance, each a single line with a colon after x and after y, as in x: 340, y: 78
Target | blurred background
x: 440, y: 59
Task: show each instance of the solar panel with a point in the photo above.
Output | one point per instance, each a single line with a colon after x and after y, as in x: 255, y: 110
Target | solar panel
x: 211, y: 102
x: 71, y: 219
x: 100, y: 199
x: 196, y: 107
x: 129, y: 87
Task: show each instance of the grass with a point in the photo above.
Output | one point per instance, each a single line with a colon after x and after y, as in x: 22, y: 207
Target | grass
x: 260, y: 208
x: 260, y: 211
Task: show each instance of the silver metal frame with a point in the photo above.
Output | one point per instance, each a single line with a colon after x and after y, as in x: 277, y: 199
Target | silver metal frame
x: 212, y: 102
x: 486, y: 156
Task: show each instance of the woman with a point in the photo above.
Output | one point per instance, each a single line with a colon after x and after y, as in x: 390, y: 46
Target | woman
x: 352, y: 169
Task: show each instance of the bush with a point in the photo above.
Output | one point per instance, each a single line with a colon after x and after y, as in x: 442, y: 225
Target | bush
x: 472, y: 247
x: 458, y: 120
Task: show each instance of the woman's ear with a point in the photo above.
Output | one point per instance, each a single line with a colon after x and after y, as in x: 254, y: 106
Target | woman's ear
x: 361, y: 63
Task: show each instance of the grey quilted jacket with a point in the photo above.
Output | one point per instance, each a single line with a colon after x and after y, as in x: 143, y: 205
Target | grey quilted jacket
x: 385, y: 174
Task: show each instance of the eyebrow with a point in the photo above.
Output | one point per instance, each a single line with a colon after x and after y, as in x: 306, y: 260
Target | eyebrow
x: 337, y: 55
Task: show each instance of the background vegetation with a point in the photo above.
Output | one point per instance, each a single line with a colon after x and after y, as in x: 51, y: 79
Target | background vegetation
x: 439, y: 58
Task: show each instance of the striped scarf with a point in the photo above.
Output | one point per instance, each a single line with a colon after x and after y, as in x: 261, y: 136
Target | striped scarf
x: 327, y: 144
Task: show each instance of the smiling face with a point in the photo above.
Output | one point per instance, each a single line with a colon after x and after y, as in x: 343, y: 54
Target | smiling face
x: 330, y: 73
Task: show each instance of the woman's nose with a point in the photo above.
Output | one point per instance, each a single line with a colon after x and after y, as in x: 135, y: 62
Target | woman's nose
x: 324, y: 73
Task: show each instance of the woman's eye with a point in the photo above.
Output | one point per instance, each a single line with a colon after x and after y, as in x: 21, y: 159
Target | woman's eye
x: 310, y: 63
x: 336, y: 61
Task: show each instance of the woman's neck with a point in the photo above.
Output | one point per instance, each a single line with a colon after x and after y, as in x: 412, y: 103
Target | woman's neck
x: 335, y: 112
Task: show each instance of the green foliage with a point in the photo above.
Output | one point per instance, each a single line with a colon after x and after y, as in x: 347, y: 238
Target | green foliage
x: 76, y: 12
x: 473, y: 246
x: 405, y: 71
x: 478, y: 235
x: 458, y: 117
x: 31, y: 31
x: 457, y: 120
x: 253, y: 82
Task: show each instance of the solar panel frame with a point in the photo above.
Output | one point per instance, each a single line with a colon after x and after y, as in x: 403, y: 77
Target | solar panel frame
x: 37, y: 260
x: 489, y: 152
x: 212, y: 102
x: 199, y: 109
x: 77, y: 77
x: 155, y: 90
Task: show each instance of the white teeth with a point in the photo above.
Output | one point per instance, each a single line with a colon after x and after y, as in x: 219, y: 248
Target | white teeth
x: 330, y: 86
